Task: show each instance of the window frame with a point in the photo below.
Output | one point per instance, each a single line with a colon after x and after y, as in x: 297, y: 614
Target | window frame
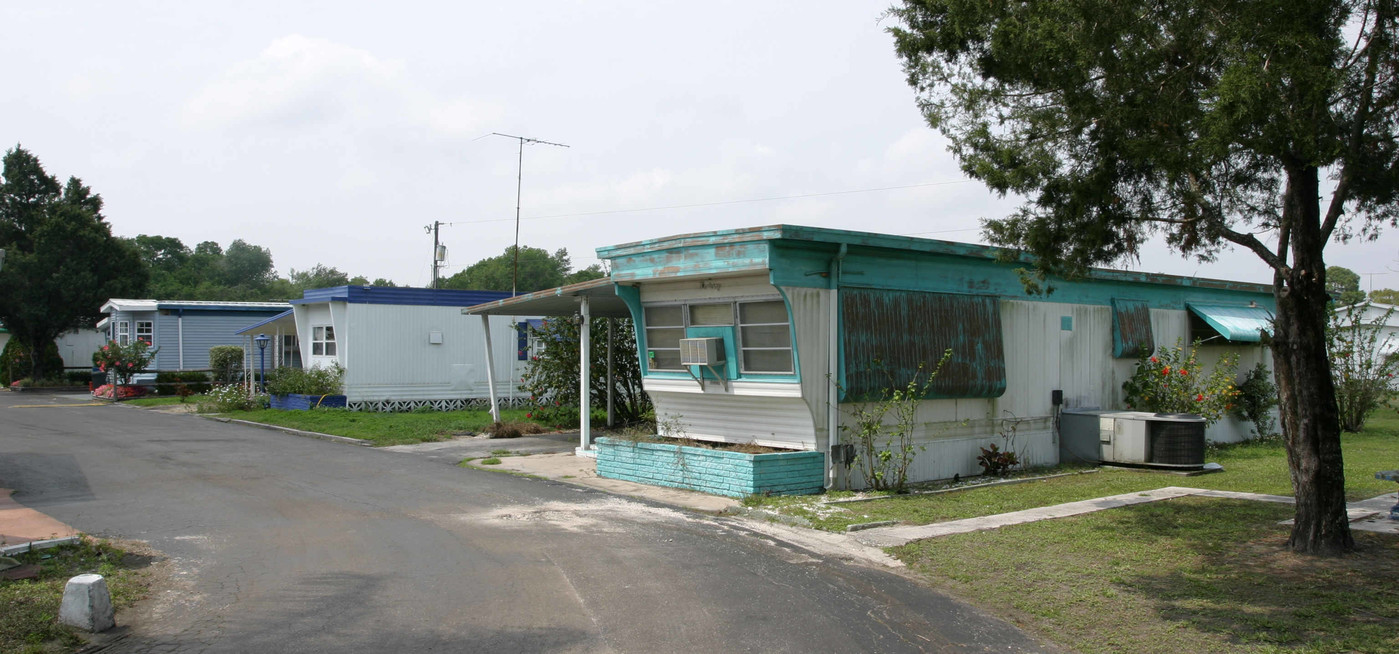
x: 149, y: 336
x: 740, y: 348
x: 123, y: 332
x: 323, y: 340
x: 735, y: 324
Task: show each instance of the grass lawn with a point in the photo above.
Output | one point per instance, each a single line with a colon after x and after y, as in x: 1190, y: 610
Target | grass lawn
x: 1183, y: 575
x: 1250, y: 467
x: 383, y: 428
x: 29, y: 608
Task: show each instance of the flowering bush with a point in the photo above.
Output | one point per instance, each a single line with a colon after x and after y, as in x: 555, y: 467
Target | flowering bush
x: 122, y: 393
x: 123, y: 361
x: 1173, y: 381
x: 223, y: 398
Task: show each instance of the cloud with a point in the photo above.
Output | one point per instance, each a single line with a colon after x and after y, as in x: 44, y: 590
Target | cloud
x: 303, y: 84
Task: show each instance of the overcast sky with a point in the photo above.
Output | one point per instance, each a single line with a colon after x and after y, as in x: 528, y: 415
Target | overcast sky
x: 333, y: 132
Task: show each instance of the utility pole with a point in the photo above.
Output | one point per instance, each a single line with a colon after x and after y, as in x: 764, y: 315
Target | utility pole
x: 438, y: 251
x: 519, y: 182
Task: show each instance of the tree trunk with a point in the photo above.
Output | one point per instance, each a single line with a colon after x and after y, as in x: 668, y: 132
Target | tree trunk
x: 1310, y: 417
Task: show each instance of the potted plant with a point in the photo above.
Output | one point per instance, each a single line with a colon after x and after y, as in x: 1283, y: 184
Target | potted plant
x: 306, y: 388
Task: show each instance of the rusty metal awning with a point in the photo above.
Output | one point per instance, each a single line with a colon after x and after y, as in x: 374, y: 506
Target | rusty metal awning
x: 562, y: 301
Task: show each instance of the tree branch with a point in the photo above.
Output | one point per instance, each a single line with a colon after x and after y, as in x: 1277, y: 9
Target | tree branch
x: 1357, y: 130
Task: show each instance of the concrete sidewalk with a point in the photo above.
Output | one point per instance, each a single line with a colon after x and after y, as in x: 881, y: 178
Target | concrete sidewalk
x: 20, y: 524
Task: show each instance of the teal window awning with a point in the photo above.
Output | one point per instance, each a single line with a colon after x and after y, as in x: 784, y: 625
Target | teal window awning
x: 1237, y: 324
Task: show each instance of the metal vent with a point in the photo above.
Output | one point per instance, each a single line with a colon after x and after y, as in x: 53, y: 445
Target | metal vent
x: 701, y: 351
x: 1178, y: 443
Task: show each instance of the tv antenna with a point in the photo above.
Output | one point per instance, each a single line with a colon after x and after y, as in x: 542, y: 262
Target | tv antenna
x: 519, y: 182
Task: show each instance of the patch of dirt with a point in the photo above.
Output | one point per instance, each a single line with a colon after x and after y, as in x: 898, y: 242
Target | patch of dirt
x: 513, y: 429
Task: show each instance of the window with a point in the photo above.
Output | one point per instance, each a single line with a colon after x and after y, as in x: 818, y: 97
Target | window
x: 760, y: 332
x: 764, y: 337
x: 145, y: 331
x: 323, y: 340
x: 665, y: 326
x: 123, y: 332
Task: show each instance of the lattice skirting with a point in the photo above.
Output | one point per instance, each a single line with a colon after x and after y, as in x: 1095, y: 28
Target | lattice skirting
x: 456, y: 404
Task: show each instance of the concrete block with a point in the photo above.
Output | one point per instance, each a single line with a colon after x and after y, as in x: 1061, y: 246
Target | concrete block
x: 87, y: 604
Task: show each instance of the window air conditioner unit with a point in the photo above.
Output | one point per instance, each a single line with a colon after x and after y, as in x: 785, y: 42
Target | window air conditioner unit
x: 701, y: 351
x: 707, y: 353
x: 1157, y: 440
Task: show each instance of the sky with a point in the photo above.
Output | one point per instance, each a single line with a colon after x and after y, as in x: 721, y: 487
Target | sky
x: 334, y: 132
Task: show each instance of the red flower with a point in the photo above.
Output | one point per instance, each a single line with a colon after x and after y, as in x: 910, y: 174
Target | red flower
x: 1183, y: 372
x: 1153, y: 360
x: 1200, y: 397
x: 529, y: 415
x: 1166, y: 370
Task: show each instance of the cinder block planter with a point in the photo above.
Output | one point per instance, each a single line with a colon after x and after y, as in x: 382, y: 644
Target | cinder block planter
x: 299, y: 402
x: 719, y: 472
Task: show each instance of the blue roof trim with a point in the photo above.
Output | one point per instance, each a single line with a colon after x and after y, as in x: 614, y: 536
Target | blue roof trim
x: 431, y: 297
x: 208, y: 306
x: 269, y: 321
x: 1238, y: 324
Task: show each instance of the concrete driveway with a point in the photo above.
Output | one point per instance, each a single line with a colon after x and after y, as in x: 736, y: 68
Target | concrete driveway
x: 288, y: 544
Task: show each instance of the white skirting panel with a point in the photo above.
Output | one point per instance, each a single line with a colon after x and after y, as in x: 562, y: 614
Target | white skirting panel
x: 769, y: 421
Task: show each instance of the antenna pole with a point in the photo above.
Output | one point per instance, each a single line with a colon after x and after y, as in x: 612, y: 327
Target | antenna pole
x: 519, y: 184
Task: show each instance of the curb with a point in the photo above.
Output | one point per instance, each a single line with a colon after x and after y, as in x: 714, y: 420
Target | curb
x: 11, y: 550
x: 293, y: 432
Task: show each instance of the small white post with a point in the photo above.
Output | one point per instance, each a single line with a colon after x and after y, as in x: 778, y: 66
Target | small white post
x: 585, y: 372
x: 87, y: 604
x: 610, y: 412
x: 490, y: 368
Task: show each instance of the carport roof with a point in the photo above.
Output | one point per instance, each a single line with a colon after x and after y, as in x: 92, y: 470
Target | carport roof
x: 562, y: 301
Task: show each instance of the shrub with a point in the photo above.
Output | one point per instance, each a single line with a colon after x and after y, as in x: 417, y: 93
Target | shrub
x: 1173, y: 381
x: 226, y: 361
x: 123, y: 361
x: 551, y: 377
x: 170, y: 383
x: 16, y: 364
x: 223, y: 398
x: 883, y: 452
x: 306, y: 381
x: 1256, y: 400
x: 1362, y: 373
x: 78, y: 377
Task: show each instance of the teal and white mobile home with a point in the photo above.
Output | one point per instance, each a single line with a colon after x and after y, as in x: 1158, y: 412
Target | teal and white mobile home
x: 806, y: 322
x: 811, y: 320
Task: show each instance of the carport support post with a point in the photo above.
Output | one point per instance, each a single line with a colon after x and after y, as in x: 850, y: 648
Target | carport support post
x: 585, y: 372
x: 490, y: 368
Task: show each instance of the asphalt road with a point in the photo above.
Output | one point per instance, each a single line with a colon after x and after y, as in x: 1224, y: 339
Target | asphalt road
x: 289, y: 544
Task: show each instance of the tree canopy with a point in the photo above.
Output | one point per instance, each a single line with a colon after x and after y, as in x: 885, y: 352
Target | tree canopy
x: 1210, y: 123
x: 538, y: 270
x: 1385, y: 296
x: 62, y: 262
x: 1344, y: 285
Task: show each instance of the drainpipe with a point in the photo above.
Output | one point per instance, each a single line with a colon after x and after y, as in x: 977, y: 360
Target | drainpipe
x: 833, y: 367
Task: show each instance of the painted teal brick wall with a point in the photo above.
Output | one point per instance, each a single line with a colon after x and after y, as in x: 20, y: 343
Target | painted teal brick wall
x: 719, y: 472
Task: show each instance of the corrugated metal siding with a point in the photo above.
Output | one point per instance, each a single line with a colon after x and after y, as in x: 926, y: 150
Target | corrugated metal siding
x: 388, y: 356
x: 1131, y: 329
x: 770, y: 421
x: 905, y: 333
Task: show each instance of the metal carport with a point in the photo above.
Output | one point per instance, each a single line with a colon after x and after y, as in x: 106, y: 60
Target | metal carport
x: 587, y: 300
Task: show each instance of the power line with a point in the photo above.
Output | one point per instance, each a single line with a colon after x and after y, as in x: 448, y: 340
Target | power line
x: 715, y: 204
